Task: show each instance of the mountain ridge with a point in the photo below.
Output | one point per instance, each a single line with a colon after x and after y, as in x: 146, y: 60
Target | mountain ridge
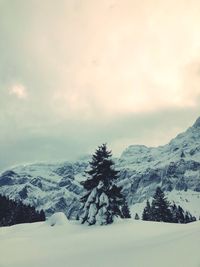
x: 56, y: 187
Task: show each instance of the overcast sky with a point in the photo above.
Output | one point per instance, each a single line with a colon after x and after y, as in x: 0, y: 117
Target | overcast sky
x: 76, y: 73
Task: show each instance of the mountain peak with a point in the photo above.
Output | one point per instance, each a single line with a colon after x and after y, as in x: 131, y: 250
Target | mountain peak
x: 197, y: 123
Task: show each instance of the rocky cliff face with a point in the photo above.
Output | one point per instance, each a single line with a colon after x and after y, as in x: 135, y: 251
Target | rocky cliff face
x: 55, y: 187
x: 175, y: 166
x: 51, y: 187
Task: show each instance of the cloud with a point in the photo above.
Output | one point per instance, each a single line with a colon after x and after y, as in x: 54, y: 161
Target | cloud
x: 84, y: 67
x: 82, y: 57
x: 19, y: 91
x: 131, y: 58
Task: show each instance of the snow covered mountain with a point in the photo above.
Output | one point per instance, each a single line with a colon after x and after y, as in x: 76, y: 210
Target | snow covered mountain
x: 55, y: 187
x: 174, y: 167
x: 51, y: 187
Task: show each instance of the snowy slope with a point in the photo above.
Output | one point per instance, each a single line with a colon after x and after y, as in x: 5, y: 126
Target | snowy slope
x: 189, y: 200
x: 51, y: 187
x: 126, y: 243
x: 175, y: 167
x: 56, y: 187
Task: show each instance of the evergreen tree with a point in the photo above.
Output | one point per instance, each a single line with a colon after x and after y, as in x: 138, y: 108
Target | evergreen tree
x: 160, y: 209
x: 175, y: 215
x: 187, y: 217
x: 146, y: 215
x: 180, y: 215
x: 137, y: 217
x: 104, y: 199
x: 42, y: 215
x: 192, y: 218
x: 12, y: 212
x: 125, y: 211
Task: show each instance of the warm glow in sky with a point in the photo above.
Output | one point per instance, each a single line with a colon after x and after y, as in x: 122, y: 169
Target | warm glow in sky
x: 114, y: 68
x: 18, y: 90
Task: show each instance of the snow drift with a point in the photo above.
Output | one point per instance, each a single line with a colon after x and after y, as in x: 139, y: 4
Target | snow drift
x: 58, y: 218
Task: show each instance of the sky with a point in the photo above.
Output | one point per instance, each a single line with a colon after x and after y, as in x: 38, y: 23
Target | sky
x: 77, y: 73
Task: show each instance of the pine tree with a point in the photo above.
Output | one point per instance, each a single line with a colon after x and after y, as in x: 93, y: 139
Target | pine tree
x: 125, y: 210
x: 146, y: 215
x: 174, y: 211
x: 42, y: 216
x: 137, y: 217
x: 12, y: 212
x: 187, y: 217
x: 162, y: 211
x: 193, y: 218
x: 160, y: 208
x: 180, y: 215
x: 104, y: 199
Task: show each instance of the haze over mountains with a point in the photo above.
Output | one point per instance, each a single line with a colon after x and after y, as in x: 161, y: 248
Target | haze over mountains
x: 56, y: 187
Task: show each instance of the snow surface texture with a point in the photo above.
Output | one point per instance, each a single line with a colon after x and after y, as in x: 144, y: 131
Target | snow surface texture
x: 126, y: 243
x: 174, y: 167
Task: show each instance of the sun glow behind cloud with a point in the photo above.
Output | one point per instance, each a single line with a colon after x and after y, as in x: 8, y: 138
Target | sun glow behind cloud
x: 18, y: 90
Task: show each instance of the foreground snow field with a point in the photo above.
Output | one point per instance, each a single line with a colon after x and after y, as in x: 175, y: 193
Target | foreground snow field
x: 125, y: 243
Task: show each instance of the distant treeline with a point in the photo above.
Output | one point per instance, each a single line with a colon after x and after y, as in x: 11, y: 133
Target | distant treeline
x: 161, y: 210
x: 12, y: 212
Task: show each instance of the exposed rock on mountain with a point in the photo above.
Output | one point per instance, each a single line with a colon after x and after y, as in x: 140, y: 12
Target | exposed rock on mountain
x: 55, y: 187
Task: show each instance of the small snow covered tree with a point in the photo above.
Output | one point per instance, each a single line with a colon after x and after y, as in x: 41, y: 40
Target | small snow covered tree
x: 137, y: 217
x: 180, y: 215
x: 125, y: 210
x: 104, y: 199
x: 146, y: 215
x: 174, y: 211
x: 160, y: 209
